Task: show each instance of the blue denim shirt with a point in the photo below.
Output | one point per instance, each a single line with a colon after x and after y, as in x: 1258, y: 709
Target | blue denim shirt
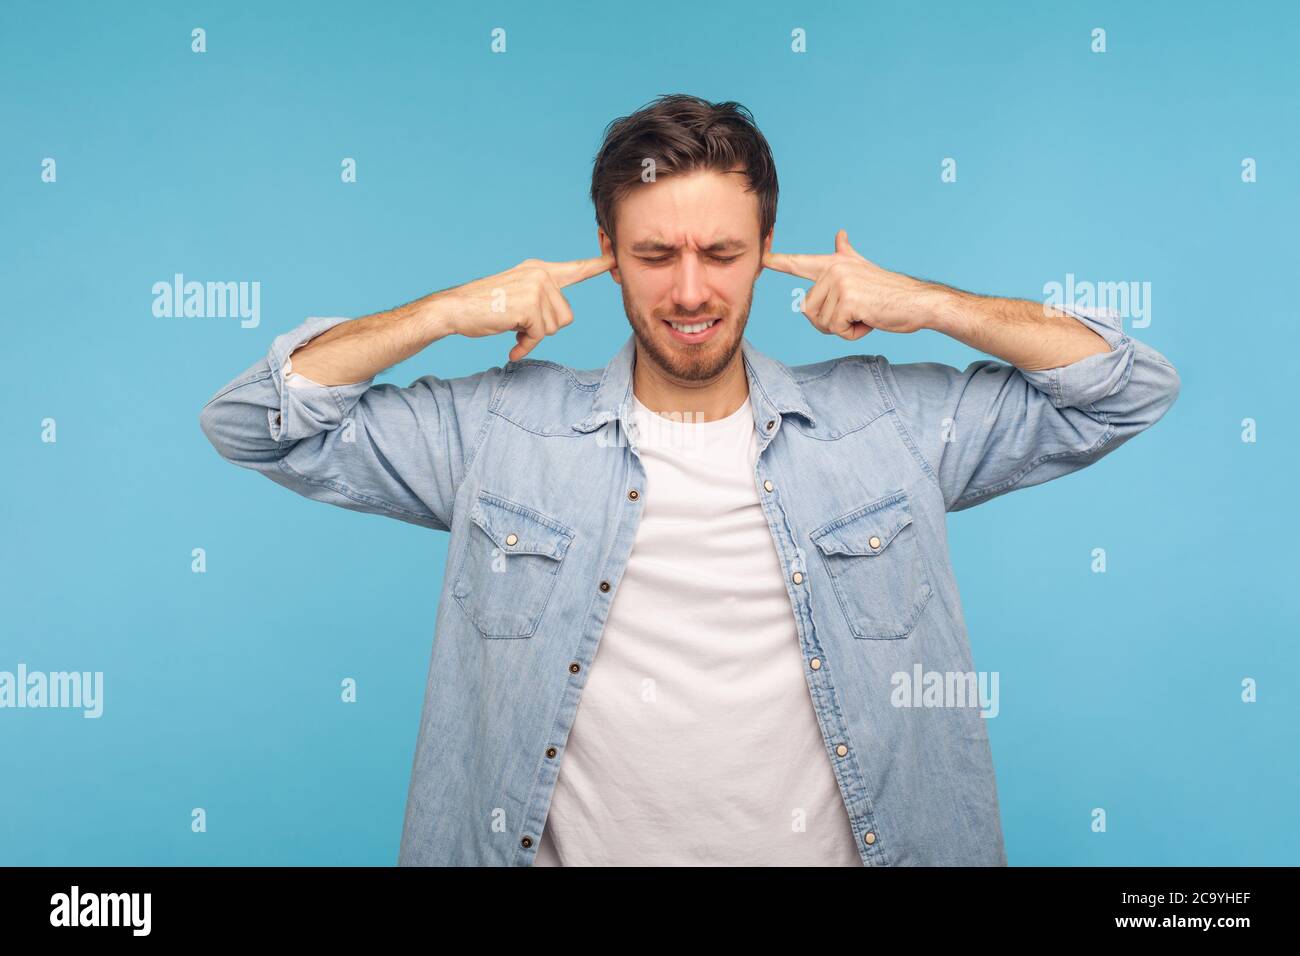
x: 532, y: 469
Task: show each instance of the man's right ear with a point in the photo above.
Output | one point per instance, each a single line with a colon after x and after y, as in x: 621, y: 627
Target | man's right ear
x: 607, y: 249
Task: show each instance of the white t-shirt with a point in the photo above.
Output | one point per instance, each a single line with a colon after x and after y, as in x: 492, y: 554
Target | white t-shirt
x: 695, y: 742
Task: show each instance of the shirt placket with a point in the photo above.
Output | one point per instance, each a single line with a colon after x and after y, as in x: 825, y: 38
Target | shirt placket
x: 607, y: 576
x: 818, y: 667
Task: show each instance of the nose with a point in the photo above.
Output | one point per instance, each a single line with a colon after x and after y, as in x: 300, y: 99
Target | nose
x: 690, y: 286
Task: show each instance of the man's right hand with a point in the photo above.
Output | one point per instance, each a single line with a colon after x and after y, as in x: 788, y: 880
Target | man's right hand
x: 525, y: 299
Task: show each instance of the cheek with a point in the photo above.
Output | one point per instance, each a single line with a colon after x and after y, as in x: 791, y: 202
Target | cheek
x: 734, y: 286
x: 648, y: 288
x: 652, y: 289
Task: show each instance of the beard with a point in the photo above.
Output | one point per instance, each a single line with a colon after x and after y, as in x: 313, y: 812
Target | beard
x: 682, y: 361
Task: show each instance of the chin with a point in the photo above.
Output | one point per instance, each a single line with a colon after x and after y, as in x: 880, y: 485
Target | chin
x: 685, y: 360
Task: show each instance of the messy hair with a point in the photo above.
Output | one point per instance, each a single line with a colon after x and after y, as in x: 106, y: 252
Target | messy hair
x: 682, y: 134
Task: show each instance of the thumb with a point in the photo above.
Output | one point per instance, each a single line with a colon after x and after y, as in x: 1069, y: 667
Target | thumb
x: 842, y: 245
x: 524, y: 343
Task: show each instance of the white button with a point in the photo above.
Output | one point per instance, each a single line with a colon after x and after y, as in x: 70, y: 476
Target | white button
x: 815, y: 663
x: 798, y: 578
x: 767, y: 486
x: 870, y: 838
x: 874, y: 542
x: 512, y: 539
x: 841, y: 750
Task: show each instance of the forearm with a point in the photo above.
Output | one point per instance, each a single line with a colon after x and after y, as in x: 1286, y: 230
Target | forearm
x: 1026, y: 334
x: 362, y: 348
x: 1072, y: 387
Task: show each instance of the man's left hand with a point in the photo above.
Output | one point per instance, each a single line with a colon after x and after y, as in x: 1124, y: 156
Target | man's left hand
x: 852, y: 295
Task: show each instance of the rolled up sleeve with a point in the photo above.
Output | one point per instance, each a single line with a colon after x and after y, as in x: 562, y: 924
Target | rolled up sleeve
x: 1094, y: 377
x: 993, y: 428
x: 400, y: 452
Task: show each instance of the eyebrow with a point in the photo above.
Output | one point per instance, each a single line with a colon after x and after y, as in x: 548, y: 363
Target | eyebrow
x: 659, y: 245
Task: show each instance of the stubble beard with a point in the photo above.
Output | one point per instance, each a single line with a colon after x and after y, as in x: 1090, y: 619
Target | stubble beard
x: 681, y: 361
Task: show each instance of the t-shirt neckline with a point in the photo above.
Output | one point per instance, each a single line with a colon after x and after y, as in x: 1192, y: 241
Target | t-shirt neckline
x: 690, y: 423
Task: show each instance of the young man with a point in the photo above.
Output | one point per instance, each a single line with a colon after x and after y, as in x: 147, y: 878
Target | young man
x: 678, y: 588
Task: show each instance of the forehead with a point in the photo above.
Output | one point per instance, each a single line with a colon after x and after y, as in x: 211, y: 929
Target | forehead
x: 699, y: 206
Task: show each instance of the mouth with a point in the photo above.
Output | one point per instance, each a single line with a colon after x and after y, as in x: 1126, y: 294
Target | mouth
x: 692, y: 332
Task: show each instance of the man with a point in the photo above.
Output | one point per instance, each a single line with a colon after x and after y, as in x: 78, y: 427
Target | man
x: 678, y: 588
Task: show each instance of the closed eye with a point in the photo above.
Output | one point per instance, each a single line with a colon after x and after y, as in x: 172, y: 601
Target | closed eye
x: 658, y: 259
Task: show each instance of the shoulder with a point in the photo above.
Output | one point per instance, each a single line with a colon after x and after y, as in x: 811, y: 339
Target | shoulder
x: 846, y: 393
x: 543, y: 373
x: 545, y: 397
x: 830, y: 372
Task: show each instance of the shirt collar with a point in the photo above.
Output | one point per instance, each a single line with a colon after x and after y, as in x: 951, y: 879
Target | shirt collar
x: 773, y: 390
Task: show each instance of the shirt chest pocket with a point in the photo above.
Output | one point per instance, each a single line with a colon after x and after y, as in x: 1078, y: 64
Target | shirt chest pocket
x: 876, y: 568
x: 509, y: 566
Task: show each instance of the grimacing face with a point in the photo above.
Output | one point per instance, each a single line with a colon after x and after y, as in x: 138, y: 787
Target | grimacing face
x: 688, y: 252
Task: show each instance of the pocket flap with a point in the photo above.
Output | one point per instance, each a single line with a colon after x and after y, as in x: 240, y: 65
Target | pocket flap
x: 868, y: 530
x: 517, y: 529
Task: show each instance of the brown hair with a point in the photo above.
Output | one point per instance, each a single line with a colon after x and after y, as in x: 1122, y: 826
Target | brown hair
x: 682, y: 133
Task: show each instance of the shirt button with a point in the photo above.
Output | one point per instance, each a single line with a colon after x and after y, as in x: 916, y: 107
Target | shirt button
x: 633, y: 495
x: 874, y: 542
x: 841, y: 750
x: 550, y: 751
x: 526, y: 842
x: 815, y: 663
x: 770, y: 424
x: 797, y: 578
x: 604, y: 585
x: 513, y: 539
x: 869, y: 839
x: 767, y: 486
x: 574, y: 667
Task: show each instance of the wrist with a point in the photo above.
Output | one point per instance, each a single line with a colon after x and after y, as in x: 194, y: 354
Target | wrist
x: 437, y: 316
x: 942, y: 310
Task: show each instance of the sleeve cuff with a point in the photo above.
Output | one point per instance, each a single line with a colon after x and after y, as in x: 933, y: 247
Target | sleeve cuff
x: 294, y: 379
x: 1093, y: 377
x: 306, y: 407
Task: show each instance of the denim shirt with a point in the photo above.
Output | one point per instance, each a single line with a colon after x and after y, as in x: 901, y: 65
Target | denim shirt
x: 533, y: 470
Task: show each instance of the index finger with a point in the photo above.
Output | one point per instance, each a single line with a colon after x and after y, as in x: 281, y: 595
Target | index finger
x: 567, y: 273
x: 803, y: 265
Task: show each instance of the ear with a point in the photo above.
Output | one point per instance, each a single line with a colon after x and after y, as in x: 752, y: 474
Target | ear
x: 607, y: 249
x: 766, y: 248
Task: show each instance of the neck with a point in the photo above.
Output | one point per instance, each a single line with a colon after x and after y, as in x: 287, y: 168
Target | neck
x: 701, y: 399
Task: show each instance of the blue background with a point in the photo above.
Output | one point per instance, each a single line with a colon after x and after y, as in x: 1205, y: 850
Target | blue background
x: 1118, y: 690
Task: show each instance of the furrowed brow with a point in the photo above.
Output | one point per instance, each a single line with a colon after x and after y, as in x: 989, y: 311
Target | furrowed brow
x: 660, y: 245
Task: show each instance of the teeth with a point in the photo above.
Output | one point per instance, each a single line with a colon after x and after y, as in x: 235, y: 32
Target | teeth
x: 698, y: 327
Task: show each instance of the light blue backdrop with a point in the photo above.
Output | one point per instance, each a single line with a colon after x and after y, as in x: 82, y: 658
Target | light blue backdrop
x: 1119, y: 690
